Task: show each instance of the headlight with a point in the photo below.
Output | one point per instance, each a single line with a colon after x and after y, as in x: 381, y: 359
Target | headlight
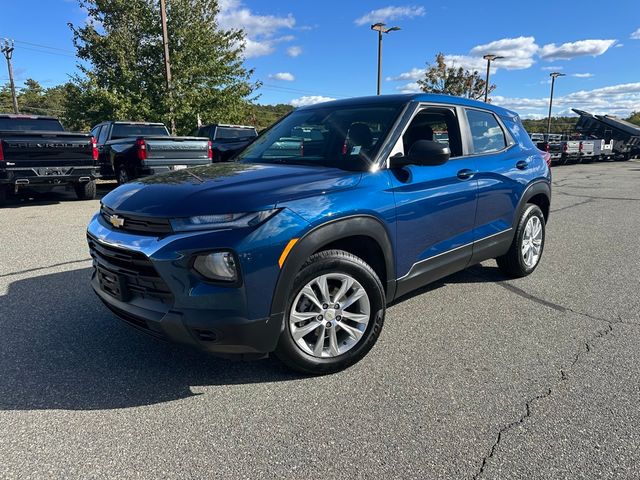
x: 229, y: 220
x: 219, y: 266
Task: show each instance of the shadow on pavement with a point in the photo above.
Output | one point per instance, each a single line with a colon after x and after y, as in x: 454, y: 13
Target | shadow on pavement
x: 61, y: 349
x: 54, y: 197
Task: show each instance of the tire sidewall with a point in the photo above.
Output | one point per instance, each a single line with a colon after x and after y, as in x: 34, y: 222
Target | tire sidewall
x: 369, y: 281
x: 530, y: 211
x: 122, y: 171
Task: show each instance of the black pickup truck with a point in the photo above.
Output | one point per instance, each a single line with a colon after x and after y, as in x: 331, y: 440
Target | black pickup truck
x: 131, y: 150
x: 226, y: 140
x: 36, y: 154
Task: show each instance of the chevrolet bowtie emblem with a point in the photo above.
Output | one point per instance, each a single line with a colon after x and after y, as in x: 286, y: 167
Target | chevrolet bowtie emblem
x: 116, y: 221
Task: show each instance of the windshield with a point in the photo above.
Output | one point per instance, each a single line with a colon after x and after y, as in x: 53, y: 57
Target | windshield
x: 17, y: 124
x: 123, y: 130
x: 228, y: 133
x: 346, y: 137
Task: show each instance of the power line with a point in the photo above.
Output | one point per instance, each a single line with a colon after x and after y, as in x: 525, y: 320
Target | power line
x: 45, y: 46
x: 296, y: 90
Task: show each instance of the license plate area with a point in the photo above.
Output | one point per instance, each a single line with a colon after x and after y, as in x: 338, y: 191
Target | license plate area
x: 113, y: 284
x: 178, y: 167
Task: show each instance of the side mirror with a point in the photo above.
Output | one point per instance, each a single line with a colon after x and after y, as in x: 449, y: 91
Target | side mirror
x: 424, y: 153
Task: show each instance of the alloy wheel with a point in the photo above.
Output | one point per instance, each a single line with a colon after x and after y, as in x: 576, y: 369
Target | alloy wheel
x: 329, y: 315
x: 532, y: 242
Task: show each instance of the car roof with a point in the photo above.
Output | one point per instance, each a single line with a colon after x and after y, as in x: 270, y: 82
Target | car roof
x: 124, y: 122
x: 22, y: 115
x: 226, y: 125
x: 416, y: 97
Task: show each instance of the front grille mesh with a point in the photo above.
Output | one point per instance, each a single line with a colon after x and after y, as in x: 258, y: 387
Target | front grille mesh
x: 140, y: 275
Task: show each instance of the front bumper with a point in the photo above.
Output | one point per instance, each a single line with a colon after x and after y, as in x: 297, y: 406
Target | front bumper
x: 167, y: 299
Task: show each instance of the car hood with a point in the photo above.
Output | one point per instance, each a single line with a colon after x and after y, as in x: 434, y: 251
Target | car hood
x: 226, y: 188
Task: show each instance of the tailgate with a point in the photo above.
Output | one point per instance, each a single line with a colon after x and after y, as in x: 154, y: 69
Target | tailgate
x: 177, y: 151
x: 46, y: 149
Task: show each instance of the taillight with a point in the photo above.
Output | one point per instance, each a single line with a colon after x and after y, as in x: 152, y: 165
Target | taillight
x: 564, y: 147
x: 1, y: 152
x: 142, y: 149
x: 210, y: 150
x: 580, y: 146
x: 94, y: 149
x: 547, y: 158
x: 547, y: 148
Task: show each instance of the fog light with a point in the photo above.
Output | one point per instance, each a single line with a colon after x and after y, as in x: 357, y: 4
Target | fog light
x: 220, y: 266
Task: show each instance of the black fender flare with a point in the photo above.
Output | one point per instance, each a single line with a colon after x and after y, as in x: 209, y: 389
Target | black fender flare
x: 324, y: 234
x: 535, y: 188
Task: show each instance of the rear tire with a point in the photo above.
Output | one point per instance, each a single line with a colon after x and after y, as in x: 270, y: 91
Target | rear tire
x: 86, y: 190
x: 123, y: 175
x: 341, y: 323
x: 525, y: 252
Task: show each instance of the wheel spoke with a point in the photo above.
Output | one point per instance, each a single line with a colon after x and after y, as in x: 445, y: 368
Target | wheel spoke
x: 300, y: 332
x: 319, y: 346
x: 333, y: 342
x: 355, y: 296
x: 351, y: 331
x: 308, y: 292
x: 324, y: 288
x: 347, y: 283
x: 302, y: 316
x: 356, y: 317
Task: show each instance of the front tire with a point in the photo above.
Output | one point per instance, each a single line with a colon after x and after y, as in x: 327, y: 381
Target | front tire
x: 334, y: 315
x: 528, y: 243
x: 86, y: 190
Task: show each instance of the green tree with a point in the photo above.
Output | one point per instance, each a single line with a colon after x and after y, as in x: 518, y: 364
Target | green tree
x: 634, y: 118
x: 122, y: 66
x: 451, y: 80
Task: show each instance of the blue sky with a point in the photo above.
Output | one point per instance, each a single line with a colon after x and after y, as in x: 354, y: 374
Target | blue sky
x: 307, y: 51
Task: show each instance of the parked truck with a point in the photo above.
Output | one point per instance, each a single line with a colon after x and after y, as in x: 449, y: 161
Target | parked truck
x: 226, y: 140
x: 37, y: 154
x: 129, y: 150
x: 623, y: 136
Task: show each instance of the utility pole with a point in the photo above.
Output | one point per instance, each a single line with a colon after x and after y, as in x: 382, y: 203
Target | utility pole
x: 380, y: 28
x: 167, y: 64
x: 7, y: 49
x: 553, y: 76
x: 489, y: 58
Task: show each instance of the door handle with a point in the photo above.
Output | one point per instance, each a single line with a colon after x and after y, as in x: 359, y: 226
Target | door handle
x: 522, y: 165
x: 466, y: 174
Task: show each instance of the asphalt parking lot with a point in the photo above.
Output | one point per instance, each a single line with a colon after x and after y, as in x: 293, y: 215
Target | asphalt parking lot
x: 473, y: 377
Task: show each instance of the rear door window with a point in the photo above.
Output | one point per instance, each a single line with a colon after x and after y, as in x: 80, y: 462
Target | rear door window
x: 486, y: 133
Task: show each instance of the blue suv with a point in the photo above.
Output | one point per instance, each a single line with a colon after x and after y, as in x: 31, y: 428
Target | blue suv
x: 297, y: 246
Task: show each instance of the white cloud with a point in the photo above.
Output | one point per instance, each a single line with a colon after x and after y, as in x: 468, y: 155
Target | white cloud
x: 582, y: 75
x: 284, y: 76
x: 552, y: 68
x: 618, y: 45
x: 570, y: 50
x: 413, y: 74
x: 309, y: 100
x: 518, y: 52
x: 619, y: 99
x: 412, y: 87
x: 260, y: 30
x: 635, y: 35
x: 390, y: 13
x: 294, y: 51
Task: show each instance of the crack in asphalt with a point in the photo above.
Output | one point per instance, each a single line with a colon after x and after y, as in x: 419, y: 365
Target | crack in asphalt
x: 594, y: 197
x: 589, y: 200
x: 588, y: 346
x: 28, y: 270
x: 563, y: 375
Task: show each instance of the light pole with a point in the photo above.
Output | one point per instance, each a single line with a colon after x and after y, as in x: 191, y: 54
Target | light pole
x: 7, y: 50
x: 380, y: 28
x: 553, y: 76
x: 489, y: 58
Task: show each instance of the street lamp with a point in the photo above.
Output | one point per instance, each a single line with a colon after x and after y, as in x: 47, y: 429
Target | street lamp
x: 489, y: 58
x: 553, y: 76
x: 380, y: 28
